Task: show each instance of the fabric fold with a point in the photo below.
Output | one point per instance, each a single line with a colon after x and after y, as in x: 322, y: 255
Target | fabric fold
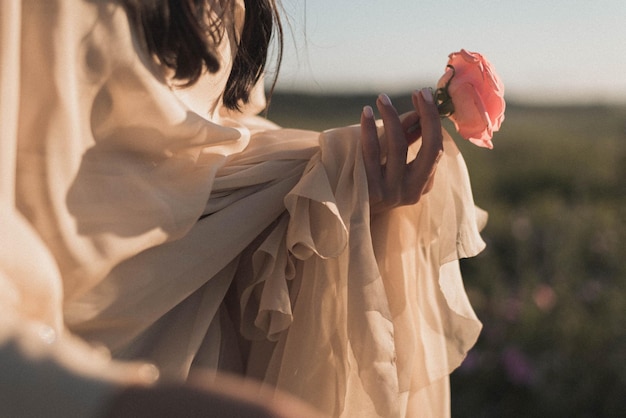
x: 384, y: 318
x: 141, y: 210
x: 317, y: 226
x: 268, y: 312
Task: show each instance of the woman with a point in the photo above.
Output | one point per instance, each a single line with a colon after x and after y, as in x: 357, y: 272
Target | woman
x: 153, y: 213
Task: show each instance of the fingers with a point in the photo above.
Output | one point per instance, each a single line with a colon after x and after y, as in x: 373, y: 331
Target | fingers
x: 397, y: 148
x: 411, y: 126
x: 371, y: 154
x: 430, y: 121
x: 421, y: 170
x: 396, y: 182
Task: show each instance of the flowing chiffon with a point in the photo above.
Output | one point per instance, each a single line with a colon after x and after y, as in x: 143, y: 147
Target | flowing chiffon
x: 151, y: 221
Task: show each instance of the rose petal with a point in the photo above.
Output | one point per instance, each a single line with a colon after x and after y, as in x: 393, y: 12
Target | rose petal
x: 470, y: 117
x: 477, y: 94
x: 445, y: 78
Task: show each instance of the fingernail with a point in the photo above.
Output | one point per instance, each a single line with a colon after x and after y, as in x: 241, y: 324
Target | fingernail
x: 368, y: 112
x: 427, y: 95
x: 384, y: 99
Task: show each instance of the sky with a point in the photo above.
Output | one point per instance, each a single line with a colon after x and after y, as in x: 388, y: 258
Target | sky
x: 544, y: 50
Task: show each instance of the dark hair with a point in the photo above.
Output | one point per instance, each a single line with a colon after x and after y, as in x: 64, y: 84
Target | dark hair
x: 184, y: 34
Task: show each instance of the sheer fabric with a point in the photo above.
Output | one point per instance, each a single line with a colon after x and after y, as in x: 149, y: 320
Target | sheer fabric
x: 154, y: 222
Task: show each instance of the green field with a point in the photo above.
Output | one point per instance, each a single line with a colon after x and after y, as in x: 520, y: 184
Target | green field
x: 551, y: 286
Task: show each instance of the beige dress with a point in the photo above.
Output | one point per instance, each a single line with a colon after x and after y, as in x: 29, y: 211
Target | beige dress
x: 149, y: 220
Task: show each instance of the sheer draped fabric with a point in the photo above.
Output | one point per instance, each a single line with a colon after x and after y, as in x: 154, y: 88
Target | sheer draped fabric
x: 154, y: 222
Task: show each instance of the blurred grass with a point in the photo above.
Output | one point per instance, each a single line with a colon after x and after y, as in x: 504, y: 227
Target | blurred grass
x: 551, y: 286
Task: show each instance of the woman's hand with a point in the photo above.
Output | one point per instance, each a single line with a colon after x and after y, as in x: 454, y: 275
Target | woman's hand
x: 392, y: 181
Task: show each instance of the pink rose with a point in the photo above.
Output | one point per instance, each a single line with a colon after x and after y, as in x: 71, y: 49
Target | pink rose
x: 477, y: 96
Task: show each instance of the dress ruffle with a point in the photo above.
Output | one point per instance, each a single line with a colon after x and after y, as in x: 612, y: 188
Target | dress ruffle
x: 359, y: 316
x: 362, y: 323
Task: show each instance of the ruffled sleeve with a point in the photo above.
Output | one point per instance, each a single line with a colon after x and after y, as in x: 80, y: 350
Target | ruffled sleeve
x: 377, y: 312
